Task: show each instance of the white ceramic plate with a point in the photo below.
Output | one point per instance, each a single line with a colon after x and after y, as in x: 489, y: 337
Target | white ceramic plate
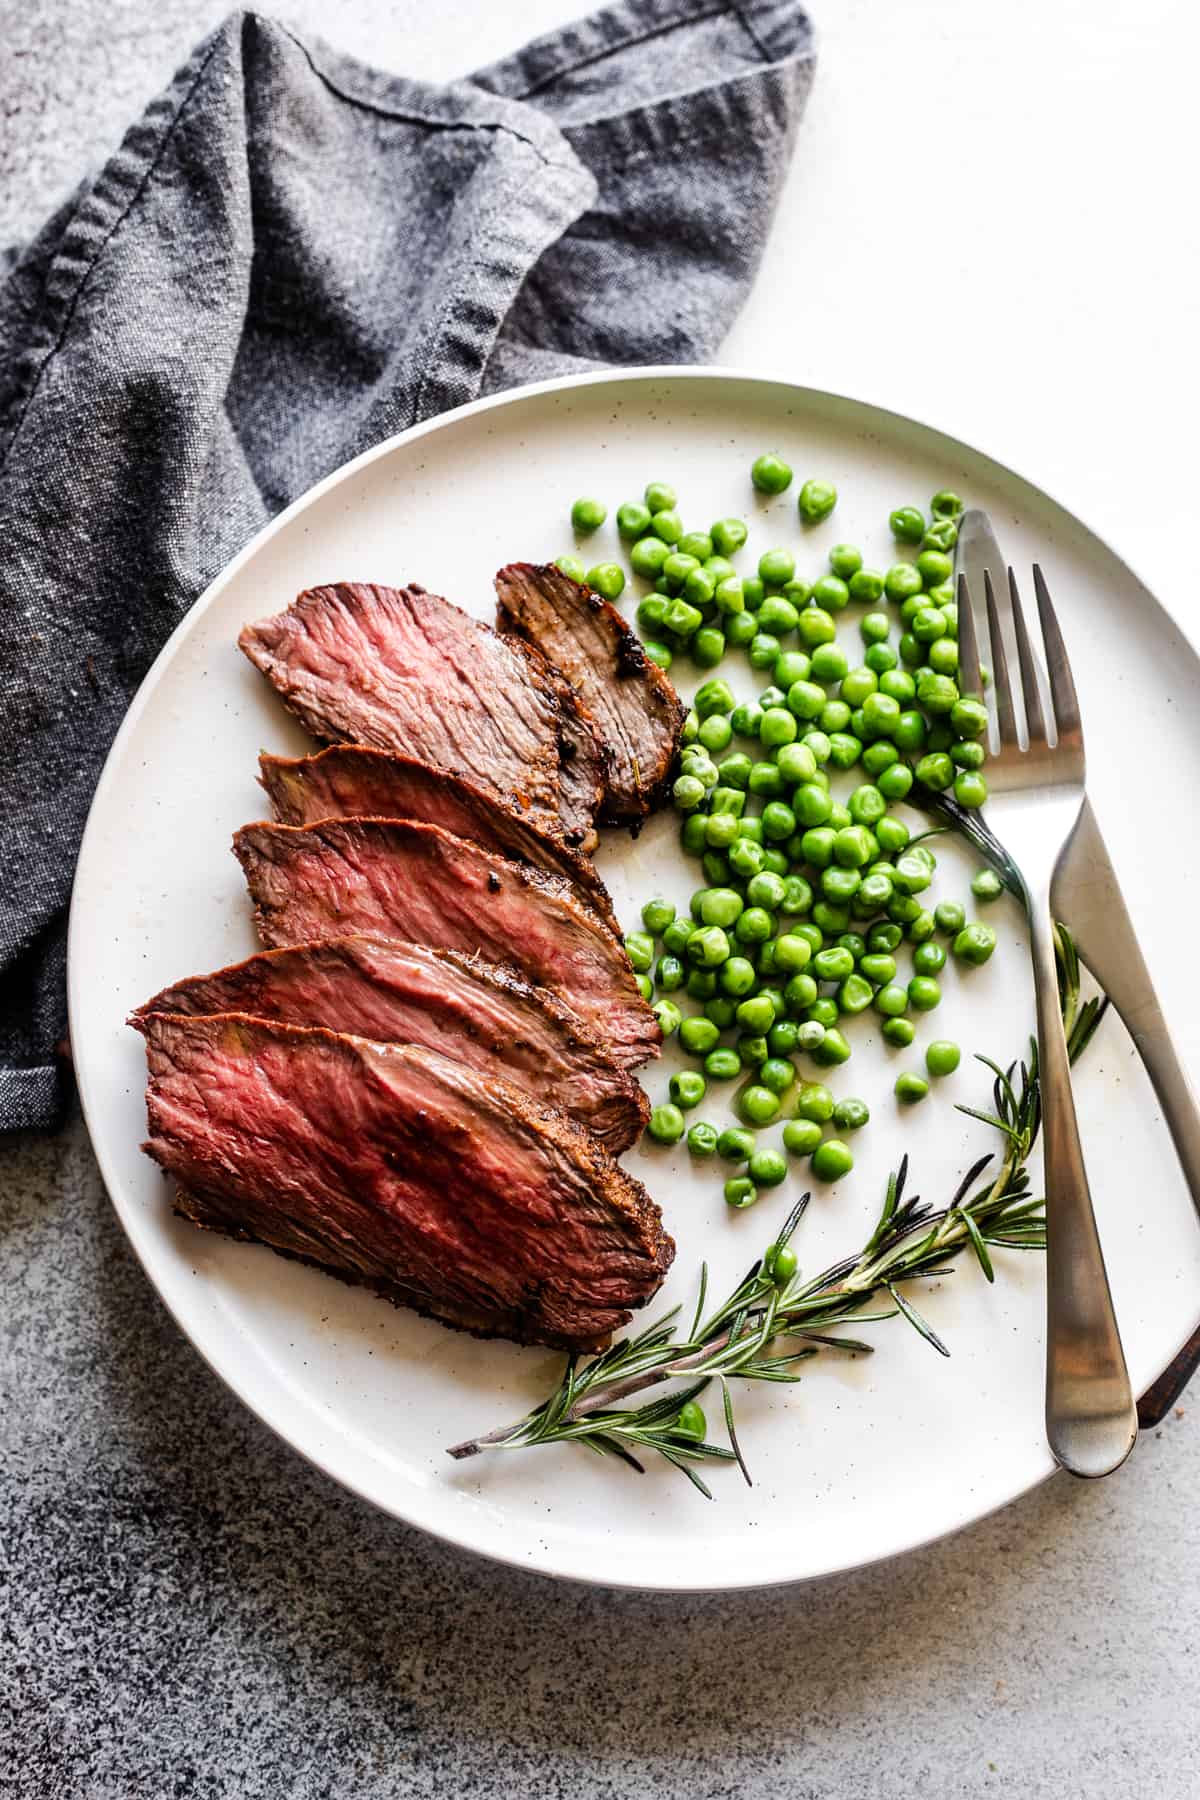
x: 865, y: 1457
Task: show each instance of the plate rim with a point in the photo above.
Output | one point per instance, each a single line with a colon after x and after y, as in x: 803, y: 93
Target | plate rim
x: 802, y: 392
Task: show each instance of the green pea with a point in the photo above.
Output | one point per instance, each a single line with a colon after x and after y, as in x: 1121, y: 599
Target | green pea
x: 763, y: 650
x: 809, y: 1034
x: 899, y: 1032
x: 929, y: 958
x: 866, y: 584
x: 683, y: 619
x: 801, y: 1137
x: 830, y: 917
x: 745, y: 856
x: 879, y: 756
x: 891, y: 1001
x: 777, y: 616
x: 974, y: 944
x: 880, y: 715
x: 740, y: 1193
x: 831, y: 1160
x: 693, y: 834
x: 709, y: 947
x: 667, y: 525
x: 840, y: 885
x: 715, y: 733
x: 934, y: 566
x: 942, y: 1056
x: 845, y: 560
x: 757, y: 1105
x: 718, y: 906
x: 902, y: 581
x: 728, y: 536
x: 834, y: 718
x: 899, y: 685
x: 935, y: 770
x: 950, y: 916
x: 815, y: 626
x: 678, y: 567
x: 776, y: 566
x: 895, y: 782
x: 818, y: 743
x: 858, y: 685
x: 831, y: 594
x: 639, y: 948
x: 633, y: 519
x: 968, y: 716
x: 783, y: 1038
x: 645, y: 987
x: 651, y: 612
x: 666, y: 1124
x: 797, y: 896
x: 697, y: 544
x: 676, y: 934
x: 698, y: 1036
x: 942, y: 534
x: 752, y: 828
x: 670, y: 974
x: 970, y: 788
x: 572, y: 566
x: 800, y: 992
x: 770, y: 474
x: 919, y: 930
x: 814, y: 1102
x: 721, y: 1010
x: 740, y: 630
x: 855, y: 995
x: 702, y: 1139
x: 736, y: 1145
x: 687, y: 1089
x: 730, y: 596
x: 881, y: 659
x: 945, y: 504
x: 833, y: 963
x: 699, y: 588
x: 910, y: 1088
x: 707, y: 647
x: 878, y: 967
x: 777, y: 1073
x: 875, y: 890
x: 657, y: 653
x: 987, y: 885
x: 816, y: 501
x: 687, y: 793
x: 884, y: 938
x: 829, y: 664
x: 942, y: 656
x: 937, y: 693
x: 924, y: 993
x: 753, y: 1048
x: 907, y: 524
x: 926, y: 623
x: 851, y: 1114
x: 588, y: 515
x: 756, y: 1014
x: 702, y: 984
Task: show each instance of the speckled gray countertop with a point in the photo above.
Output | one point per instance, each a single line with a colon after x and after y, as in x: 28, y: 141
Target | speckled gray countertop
x: 188, y: 1609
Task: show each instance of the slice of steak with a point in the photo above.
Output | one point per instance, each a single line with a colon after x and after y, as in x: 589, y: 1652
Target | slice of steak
x: 394, y: 1167
x: 633, y: 707
x: 395, y: 878
x: 582, y: 758
x: 350, y: 781
x: 474, y: 1011
x: 404, y: 670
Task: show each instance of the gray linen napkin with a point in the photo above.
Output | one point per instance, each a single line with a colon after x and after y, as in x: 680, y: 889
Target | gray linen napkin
x: 290, y: 257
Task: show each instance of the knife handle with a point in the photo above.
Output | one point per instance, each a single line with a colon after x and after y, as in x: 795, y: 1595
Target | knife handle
x: 1127, y: 983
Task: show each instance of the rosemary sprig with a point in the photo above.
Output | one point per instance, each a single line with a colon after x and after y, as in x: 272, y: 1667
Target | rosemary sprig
x: 767, y: 1328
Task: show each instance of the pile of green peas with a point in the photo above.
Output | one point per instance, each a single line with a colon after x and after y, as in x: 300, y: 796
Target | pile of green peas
x: 806, y: 900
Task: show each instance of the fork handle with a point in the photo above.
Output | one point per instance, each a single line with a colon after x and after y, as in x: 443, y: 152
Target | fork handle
x: 1091, y: 1421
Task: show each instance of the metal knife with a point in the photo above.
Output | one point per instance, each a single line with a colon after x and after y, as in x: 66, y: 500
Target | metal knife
x: 1087, y: 897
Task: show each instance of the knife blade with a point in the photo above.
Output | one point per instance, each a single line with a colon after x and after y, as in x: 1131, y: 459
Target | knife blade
x: 1087, y: 897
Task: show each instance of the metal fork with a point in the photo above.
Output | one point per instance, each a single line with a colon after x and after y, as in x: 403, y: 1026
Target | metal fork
x: 1036, y: 781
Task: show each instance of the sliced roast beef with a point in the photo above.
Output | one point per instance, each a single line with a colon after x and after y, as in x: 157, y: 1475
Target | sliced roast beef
x: 394, y: 1167
x: 583, y: 760
x: 632, y: 705
x: 474, y: 1011
x: 405, y: 670
x: 350, y: 781
x: 396, y: 878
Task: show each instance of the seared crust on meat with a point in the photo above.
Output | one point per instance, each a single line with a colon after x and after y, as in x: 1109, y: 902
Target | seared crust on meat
x: 633, y: 707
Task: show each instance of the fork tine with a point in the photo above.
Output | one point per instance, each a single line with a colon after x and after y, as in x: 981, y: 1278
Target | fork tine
x: 1004, y: 700
x: 1062, y: 684
x: 968, y: 645
x: 1034, y: 721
